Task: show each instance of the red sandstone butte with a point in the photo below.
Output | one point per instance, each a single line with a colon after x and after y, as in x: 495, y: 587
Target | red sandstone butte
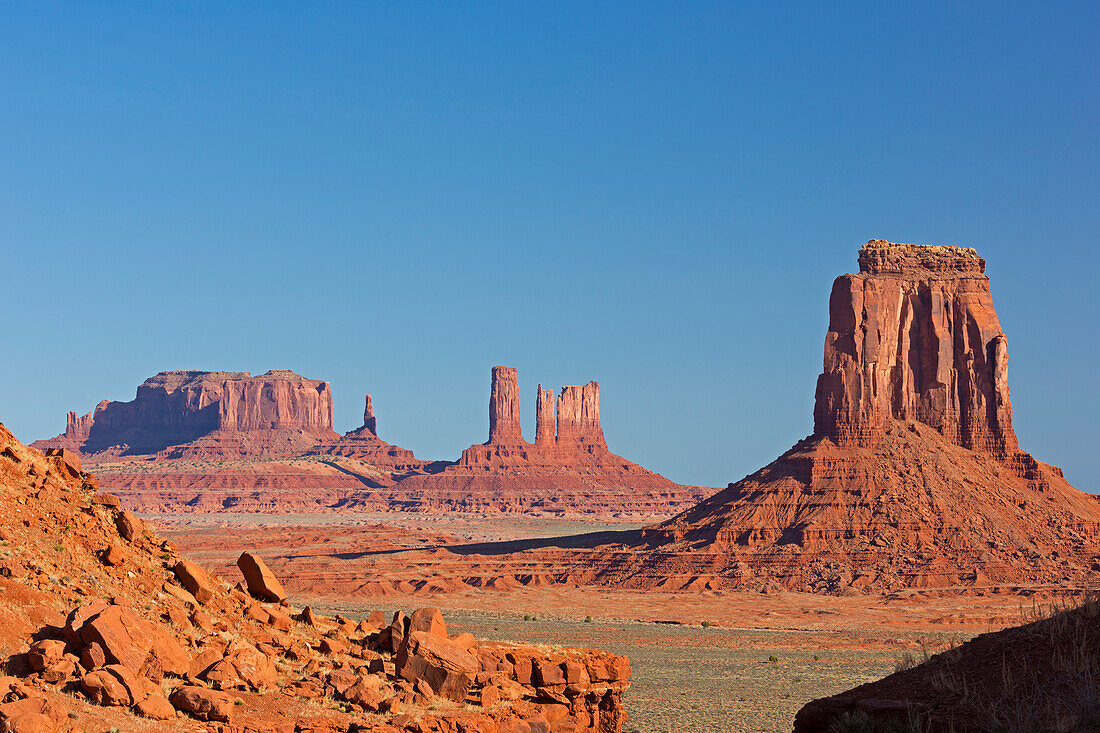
x: 913, y: 476
x: 567, y: 470
x: 224, y: 441
x: 191, y: 414
x: 914, y: 336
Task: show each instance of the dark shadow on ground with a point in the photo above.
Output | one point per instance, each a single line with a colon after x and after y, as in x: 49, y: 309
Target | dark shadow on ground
x: 370, y: 484
x: 585, y: 541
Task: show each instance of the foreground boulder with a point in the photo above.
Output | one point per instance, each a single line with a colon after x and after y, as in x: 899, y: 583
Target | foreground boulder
x: 443, y: 664
x: 203, y: 703
x: 262, y: 583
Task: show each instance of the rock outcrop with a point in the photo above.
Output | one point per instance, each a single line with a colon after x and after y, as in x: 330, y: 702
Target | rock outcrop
x: 364, y: 445
x: 914, y: 336
x: 579, y: 420
x: 265, y: 444
x: 370, y: 422
x: 567, y: 469
x: 504, y: 425
x: 207, y: 414
x: 1017, y: 679
x: 156, y: 636
x: 913, y: 476
x: 546, y: 411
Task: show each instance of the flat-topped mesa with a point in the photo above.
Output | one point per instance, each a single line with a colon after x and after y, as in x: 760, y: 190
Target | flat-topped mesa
x: 915, y: 336
x: 504, y: 425
x: 545, y: 412
x: 177, y: 407
x: 370, y: 422
x: 579, y: 417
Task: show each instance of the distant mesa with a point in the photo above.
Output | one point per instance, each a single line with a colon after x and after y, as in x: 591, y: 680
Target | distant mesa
x: 567, y: 469
x: 195, y: 414
x: 265, y: 424
x: 913, y: 475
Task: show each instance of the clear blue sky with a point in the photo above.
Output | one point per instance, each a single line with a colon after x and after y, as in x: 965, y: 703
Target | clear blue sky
x: 396, y: 196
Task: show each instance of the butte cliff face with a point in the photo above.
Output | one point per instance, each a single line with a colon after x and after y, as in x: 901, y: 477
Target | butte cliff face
x: 221, y: 441
x: 567, y: 469
x: 913, y: 476
x: 914, y: 336
x: 211, y: 413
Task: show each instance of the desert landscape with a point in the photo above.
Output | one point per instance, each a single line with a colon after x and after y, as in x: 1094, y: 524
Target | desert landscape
x: 650, y: 367
x: 774, y: 603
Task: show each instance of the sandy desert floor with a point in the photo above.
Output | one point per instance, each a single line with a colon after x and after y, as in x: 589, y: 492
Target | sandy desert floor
x: 703, y: 660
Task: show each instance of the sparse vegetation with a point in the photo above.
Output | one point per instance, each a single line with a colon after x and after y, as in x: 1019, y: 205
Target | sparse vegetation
x: 860, y: 722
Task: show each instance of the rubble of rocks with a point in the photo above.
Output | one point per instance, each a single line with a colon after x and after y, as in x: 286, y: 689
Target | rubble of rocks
x: 101, y: 619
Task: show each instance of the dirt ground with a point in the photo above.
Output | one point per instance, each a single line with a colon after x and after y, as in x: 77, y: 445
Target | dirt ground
x: 702, y: 660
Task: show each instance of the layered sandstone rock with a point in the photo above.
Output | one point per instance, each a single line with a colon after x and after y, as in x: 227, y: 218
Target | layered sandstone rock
x: 370, y: 422
x: 264, y: 452
x: 364, y: 445
x: 567, y: 428
x: 568, y: 467
x: 579, y: 419
x: 161, y: 638
x: 546, y: 410
x: 913, y: 476
x: 504, y: 426
x: 914, y: 336
x: 202, y: 414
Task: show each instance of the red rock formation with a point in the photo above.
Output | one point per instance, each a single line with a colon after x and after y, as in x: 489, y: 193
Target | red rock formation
x: 214, y: 413
x: 363, y: 444
x: 370, y: 423
x: 914, y: 336
x: 235, y: 463
x: 913, y: 475
x: 546, y: 410
x: 579, y: 420
x: 175, y: 641
x: 570, y: 471
x: 504, y: 426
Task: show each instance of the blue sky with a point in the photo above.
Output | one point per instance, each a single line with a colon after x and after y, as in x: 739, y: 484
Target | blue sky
x: 396, y: 196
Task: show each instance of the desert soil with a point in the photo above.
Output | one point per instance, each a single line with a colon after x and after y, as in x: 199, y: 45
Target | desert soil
x: 758, y: 659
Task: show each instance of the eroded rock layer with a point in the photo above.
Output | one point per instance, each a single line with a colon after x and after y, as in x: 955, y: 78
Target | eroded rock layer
x: 557, y: 470
x: 104, y: 625
x: 914, y: 336
x: 207, y: 414
x: 913, y: 476
x: 273, y: 450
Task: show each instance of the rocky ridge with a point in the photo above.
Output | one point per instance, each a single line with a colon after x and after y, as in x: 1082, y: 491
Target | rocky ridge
x: 101, y: 621
x: 1038, y: 676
